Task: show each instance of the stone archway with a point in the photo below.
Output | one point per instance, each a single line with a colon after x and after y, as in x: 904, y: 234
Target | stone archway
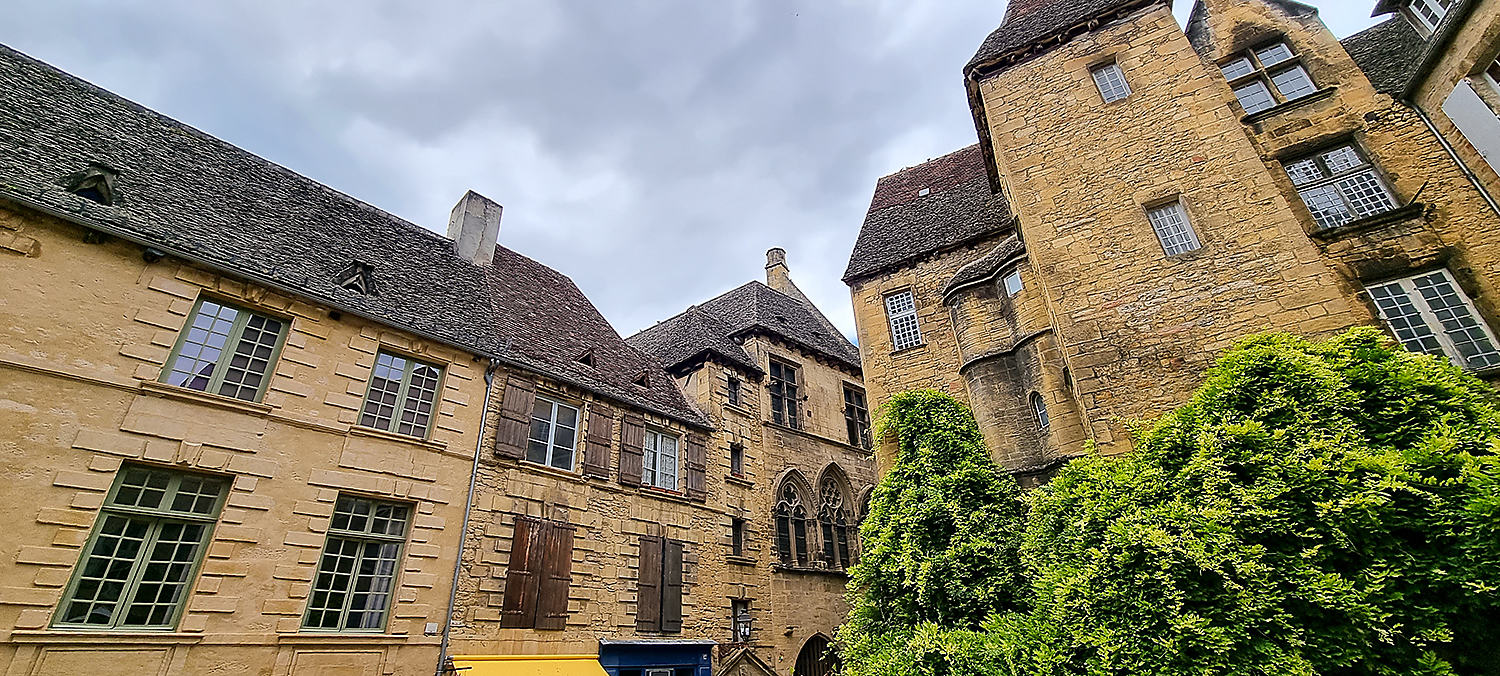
x: 817, y: 658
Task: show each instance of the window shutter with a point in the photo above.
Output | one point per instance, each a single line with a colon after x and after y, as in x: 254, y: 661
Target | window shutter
x: 519, y: 606
x: 596, y: 443
x: 671, y: 587
x: 697, y: 488
x: 556, y: 576
x: 515, y: 417
x: 632, y: 441
x: 784, y: 538
x: 648, y: 585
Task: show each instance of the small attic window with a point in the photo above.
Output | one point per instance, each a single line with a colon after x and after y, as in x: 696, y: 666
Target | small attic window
x: 359, y: 277
x: 96, y: 183
x: 587, y: 358
x: 924, y: 192
x: 642, y: 380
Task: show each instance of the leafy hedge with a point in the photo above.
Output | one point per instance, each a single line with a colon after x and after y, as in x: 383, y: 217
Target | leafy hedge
x: 1316, y: 508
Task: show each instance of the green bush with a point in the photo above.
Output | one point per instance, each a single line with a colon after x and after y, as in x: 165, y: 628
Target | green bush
x: 1316, y: 508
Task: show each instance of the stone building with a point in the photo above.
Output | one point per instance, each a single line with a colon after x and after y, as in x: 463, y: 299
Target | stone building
x: 1143, y: 195
x: 789, y: 461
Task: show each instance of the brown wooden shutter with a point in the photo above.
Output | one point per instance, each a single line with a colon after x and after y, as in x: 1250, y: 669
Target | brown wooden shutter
x: 697, y: 459
x: 632, y: 444
x: 671, y: 587
x: 519, y: 606
x: 556, y: 576
x: 515, y: 417
x: 601, y: 432
x: 648, y: 585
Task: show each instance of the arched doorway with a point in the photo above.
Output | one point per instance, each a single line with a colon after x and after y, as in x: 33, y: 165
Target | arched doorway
x: 817, y: 658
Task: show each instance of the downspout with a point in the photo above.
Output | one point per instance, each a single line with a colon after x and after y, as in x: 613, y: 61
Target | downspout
x: 463, y: 540
x: 1469, y: 174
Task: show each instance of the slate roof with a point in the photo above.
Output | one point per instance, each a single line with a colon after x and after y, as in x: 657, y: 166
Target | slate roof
x: 1039, y: 23
x: 903, y: 225
x: 1388, y: 53
x: 987, y: 265
x: 713, y: 327
x: 196, y: 196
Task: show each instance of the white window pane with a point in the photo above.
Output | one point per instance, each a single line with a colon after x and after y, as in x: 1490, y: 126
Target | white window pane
x: 1111, y: 82
x: 1404, y: 319
x: 1342, y: 159
x: 1327, y: 208
x: 1293, y: 83
x: 1254, y: 96
x: 1451, y: 308
x: 899, y: 303
x: 1013, y: 283
x: 1237, y: 68
x: 1366, y: 193
x: 667, y: 474
x: 901, y: 310
x: 1172, y: 229
x: 1270, y: 56
x: 1430, y: 12
x: 1305, y: 171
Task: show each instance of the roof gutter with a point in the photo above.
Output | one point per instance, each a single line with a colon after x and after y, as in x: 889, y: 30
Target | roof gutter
x: 280, y: 286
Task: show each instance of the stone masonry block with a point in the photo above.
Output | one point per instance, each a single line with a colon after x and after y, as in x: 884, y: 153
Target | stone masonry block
x: 86, y: 480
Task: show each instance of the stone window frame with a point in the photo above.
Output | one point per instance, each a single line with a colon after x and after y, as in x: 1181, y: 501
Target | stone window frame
x: 893, y: 317
x: 1014, y: 273
x: 856, y: 415
x: 1159, y: 206
x: 1109, y: 80
x: 836, y: 547
x: 783, y: 392
x: 738, y: 531
x: 158, y: 517
x: 1364, y: 167
x: 1247, y: 70
x: 362, y: 538
x: 734, y: 391
x: 403, y: 395
x: 790, y: 515
x: 1039, y: 413
x: 556, y: 403
x: 737, y: 459
x: 1407, y: 311
x: 223, y: 362
x: 654, y: 470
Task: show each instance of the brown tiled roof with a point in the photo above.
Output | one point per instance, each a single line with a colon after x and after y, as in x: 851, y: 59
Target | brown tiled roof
x: 904, y: 224
x: 196, y: 196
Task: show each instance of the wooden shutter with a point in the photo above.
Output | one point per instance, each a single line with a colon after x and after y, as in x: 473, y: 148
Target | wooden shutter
x: 696, y: 461
x: 519, y: 606
x: 556, y: 576
x: 671, y: 587
x: 515, y: 417
x: 784, y: 538
x: 601, y: 431
x: 648, y: 585
x: 632, y: 443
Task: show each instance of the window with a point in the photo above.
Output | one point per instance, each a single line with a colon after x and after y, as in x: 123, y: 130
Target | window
x: 834, y: 522
x: 737, y: 459
x: 856, y: 416
x: 734, y: 391
x: 202, y: 361
x: 140, y: 559
x: 1429, y: 313
x: 1039, y: 410
x: 659, y: 464
x: 1172, y: 228
x: 1429, y: 13
x: 411, y: 384
x: 737, y: 537
x: 1339, y: 186
x: 1111, y: 82
x: 554, y: 432
x: 658, y: 605
x: 1265, y: 77
x: 538, y: 575
x: 1012, y: 283
x: 784, y: 394
x: 791, y: 527
x: 901, y: 310
x: 357, y: 571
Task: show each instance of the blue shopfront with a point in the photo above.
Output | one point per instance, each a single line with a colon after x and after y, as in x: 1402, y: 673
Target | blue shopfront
x: 656, y: 658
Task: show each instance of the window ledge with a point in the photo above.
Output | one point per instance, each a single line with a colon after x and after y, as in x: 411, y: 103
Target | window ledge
x: 1359, y: 225
x: 1284, y: 106
x: 344, y: 637
x: 740, y: 409
x: 161, y: 389
x: 740, y: 560
x: 810, y: 435
x: 784, y: 568
x: 906, y: 350
x: 739, y: 481
x: 664, y: 494
x: 549, y: 469
x: 96, y: 637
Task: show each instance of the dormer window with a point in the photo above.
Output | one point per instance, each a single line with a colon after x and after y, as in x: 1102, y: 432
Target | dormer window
x: 1429, y: 13
x: 642, y: 381
x: 1267, y: 76
x: 587, y: 358
x: 358, y: 277
x: 96, y: 183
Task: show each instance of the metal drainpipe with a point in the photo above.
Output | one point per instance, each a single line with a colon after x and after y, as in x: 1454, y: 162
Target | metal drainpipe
x: 463, y: 536
x: 1469, y: 174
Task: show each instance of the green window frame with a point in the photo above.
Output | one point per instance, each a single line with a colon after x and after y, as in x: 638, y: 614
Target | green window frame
x: 203, y: 359
x: 356, y: 579
x: 402, y: 395
x: 144, y: 552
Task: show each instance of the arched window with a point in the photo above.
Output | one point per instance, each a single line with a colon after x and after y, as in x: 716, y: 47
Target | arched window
x: 835, y: 523
x: 1039, y: 408
x: 791, y: 526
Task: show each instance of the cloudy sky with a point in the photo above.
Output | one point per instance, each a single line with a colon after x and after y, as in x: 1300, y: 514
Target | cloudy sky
x: 650, y: 149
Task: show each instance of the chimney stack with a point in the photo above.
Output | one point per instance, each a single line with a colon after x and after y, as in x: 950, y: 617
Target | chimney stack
x: 474, y: 227
x: 777, y: 275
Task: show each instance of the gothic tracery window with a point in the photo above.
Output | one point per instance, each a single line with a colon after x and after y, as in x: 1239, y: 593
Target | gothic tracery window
x: 791, y: 526
x: 833, y: 518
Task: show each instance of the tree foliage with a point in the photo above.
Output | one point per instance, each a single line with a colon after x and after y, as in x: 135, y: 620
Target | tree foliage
x: 1316, y: 508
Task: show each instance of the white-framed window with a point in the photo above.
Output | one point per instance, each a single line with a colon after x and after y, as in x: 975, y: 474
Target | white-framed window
x: 1429, y: 313
x: 554, y: 433
x: 1339, y: 185
x: 901, y: 310
x: 1012, y: 282
x: 1111, y: 82
x: 1172, y: 228
x: 659, y: 464
x: 1265, y: 77
x: 1039, y: 410
x: 1429, y: 13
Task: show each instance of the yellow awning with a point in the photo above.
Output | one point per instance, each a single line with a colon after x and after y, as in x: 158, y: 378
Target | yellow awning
x: 540, y: 665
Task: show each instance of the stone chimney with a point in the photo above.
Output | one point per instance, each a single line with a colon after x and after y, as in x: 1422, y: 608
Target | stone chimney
x: 779, y: 277
x: 474, y: 227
